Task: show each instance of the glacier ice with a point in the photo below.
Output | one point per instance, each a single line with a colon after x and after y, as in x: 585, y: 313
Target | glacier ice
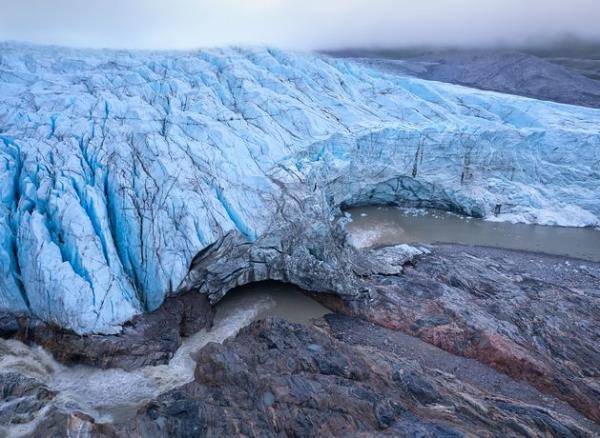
x: 118, y: 167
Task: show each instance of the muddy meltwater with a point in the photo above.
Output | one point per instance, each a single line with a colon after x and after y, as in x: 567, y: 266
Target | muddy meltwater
x: 376, y: 226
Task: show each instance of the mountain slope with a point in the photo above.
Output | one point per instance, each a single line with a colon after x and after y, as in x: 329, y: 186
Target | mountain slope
x: 504, y: 71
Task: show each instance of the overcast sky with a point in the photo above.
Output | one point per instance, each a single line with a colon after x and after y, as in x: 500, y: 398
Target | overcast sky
x: 298, y: 24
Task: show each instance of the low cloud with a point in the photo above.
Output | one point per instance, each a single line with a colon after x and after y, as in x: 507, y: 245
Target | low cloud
x: 297, y: 24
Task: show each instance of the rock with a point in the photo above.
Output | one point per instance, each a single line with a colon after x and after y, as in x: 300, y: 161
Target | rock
x: 60, y: 424
x: 22, y: 398
x: 270, y: 380
x: 10, y: 323
x: 497, y: 70
x: 534, y: 318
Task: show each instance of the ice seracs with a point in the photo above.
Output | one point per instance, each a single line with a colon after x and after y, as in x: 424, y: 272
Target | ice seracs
x: 117, y: 168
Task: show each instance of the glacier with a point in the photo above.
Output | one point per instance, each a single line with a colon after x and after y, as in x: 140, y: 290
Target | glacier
x: 119, y: 168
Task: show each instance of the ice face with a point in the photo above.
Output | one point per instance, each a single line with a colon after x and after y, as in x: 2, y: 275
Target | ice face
x: 116, y: 167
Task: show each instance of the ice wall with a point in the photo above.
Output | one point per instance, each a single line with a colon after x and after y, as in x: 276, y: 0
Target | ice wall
x: 117, y: 167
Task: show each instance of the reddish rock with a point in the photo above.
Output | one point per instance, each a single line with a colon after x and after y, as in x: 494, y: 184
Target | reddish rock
x: 531, y: 316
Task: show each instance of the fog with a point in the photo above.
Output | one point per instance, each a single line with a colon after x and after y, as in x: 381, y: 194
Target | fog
x: 297, y: 24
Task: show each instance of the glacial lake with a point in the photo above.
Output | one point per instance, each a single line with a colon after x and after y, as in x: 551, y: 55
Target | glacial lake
x: 377, y: 226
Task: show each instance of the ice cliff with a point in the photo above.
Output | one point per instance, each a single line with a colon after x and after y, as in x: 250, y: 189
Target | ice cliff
x: 117, y: 168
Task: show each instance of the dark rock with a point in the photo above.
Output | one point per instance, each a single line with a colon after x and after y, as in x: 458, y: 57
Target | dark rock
x: 267, y: 382
x: 10, y: 324
x: 14, y: 385
x: 531, y: 316
x: 421, y: 390
x: 23, y: 398
x: 60, y: 424
x: 497, y: 70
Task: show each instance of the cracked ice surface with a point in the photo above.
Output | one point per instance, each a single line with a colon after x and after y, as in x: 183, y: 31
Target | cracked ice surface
x: 117, y: 167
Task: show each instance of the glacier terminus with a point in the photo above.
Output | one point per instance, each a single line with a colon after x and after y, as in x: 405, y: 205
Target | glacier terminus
x: 118, y: 168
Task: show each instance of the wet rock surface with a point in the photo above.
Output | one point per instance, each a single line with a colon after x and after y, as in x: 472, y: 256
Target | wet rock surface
x: 23, y: 398
x: 148, y: 339
x: 281, y: 379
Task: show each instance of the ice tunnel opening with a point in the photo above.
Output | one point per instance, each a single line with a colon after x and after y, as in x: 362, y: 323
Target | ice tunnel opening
x: 409, y: 192
x: 467, y: 209
x: 271, y: 299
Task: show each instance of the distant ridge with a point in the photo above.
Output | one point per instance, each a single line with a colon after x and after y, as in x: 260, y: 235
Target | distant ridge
x: 559, y: 79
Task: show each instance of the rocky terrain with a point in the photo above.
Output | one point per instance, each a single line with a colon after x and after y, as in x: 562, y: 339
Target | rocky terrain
x: 280, y: 378
x: 511, y: 310
x: 565, y: 79
x: 449, y: 340
x: 341, y: 376
x: 148, y: 339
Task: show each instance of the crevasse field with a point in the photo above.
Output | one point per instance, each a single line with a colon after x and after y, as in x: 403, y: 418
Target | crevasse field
x: 117, y: 168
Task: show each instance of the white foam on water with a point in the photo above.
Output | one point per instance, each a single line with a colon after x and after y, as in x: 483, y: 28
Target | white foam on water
x: 111, y: 394
x: 366, y: 238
